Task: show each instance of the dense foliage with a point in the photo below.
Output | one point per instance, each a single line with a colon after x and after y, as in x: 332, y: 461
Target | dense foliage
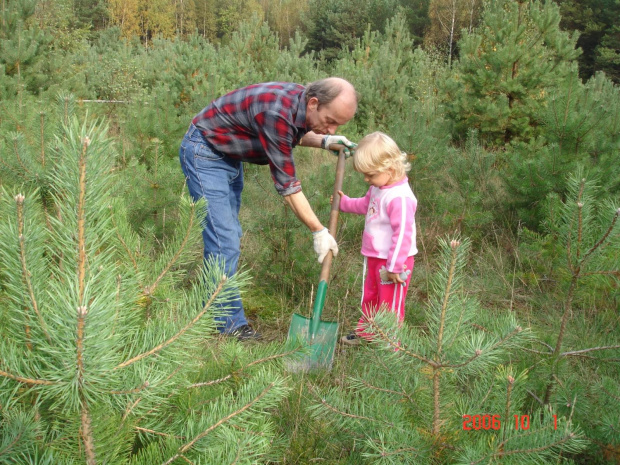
x: 107, y: 348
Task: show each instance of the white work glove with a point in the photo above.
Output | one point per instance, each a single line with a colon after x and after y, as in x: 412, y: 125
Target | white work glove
x: 323, y: 243
x: 349, y: 147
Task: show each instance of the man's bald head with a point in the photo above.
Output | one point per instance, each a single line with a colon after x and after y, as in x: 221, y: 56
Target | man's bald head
x: 330, y: 102
x: 326, y: 90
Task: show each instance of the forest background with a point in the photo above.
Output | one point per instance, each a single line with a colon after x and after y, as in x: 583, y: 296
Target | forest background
x: 510, y: 114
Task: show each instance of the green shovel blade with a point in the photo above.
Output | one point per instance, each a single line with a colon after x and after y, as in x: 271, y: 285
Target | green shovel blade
x: 316, y: 338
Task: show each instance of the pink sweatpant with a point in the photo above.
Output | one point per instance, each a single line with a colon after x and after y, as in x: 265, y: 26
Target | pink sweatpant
x: 378, y: 295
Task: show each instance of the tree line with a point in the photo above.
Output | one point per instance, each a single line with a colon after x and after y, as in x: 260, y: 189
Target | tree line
x: 329, y: 25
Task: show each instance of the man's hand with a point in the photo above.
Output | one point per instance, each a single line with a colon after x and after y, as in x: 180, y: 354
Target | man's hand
x: 349, y: 147
x: 323, y: 243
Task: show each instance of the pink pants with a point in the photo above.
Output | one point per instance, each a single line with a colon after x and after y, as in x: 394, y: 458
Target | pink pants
x: 378, y: 295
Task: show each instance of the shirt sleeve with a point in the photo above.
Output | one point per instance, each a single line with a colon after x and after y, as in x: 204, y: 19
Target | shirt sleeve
x: 355, y: 205
x: 401, y: 212
x: 276, y: 135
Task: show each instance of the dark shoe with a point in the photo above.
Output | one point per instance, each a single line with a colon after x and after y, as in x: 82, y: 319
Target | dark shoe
x: 351, y: 339
x: 245, y: 333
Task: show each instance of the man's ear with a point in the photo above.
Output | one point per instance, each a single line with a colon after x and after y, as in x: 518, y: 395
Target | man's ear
x: 313, y: 103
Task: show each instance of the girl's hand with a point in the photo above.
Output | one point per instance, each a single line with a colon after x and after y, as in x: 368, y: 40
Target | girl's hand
x: 394, y: 277
x: 331, y: 197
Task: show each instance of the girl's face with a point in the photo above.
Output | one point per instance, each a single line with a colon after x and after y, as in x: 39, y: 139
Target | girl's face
x: 379, y: 178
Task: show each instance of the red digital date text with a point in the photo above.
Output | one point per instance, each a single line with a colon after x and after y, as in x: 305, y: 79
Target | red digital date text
x: 494, y: 422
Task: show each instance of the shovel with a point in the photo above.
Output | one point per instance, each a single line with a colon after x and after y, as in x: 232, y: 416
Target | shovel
x: 320, y: 336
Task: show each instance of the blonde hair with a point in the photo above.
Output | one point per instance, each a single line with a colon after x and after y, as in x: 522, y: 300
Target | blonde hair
x: 378, y: 152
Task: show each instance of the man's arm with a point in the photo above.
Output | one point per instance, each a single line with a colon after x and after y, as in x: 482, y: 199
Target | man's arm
x: 322, y: 240
x: 302, y: 209
x: 311, y: 139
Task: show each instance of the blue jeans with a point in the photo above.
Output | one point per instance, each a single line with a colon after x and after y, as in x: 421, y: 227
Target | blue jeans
x: 219, y: 180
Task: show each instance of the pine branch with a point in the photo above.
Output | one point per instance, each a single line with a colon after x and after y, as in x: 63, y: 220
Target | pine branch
x: 583, y: 351
x: 19, y: 199
x: 604, y: 273
x: 603, y: 239
x: 345, y: 414
x: 538, y: 399
x: 12, y: 444
x: 398, y: 381
x: 436, y: 402
x: 19, y: 159
x: 132, y: 391
x: 150, y: 289
x: 42, y: 126
x: 376, y: 329
x: 125, y: 246
x: 180, y: 333
x: 444, y: 306
x: 534, y: 450
x: 479, y: 352
x: 379, y: 389
x: 85, y: 429
x: 150, y: 431
x: 87, y: 434
x: 511, y: 383
x: 190, y: 444
x: 81, y: 225
x: 239, y: 371
x: 104, y: 101
x: 23, y: 380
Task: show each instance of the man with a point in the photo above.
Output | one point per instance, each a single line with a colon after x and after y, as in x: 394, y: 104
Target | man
x: 259, y: 124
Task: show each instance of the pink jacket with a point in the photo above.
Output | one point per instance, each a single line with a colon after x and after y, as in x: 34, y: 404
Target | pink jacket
x: 390, y: 222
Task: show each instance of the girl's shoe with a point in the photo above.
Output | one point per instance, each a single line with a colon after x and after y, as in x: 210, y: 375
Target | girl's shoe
x: 351, y: 339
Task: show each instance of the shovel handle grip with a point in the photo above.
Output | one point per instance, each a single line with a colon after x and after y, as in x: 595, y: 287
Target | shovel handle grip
x: 335, y: 210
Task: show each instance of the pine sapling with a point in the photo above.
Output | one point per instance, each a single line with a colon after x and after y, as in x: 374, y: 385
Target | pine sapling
x: 88, y: 372
x: 591, y: 238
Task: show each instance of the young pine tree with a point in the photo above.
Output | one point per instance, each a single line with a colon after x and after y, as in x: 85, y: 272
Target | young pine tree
x: 104, y: 356
x: 443, y: 393
x: 583, y: 233
x: 582, y: 128
x: 506, y: 68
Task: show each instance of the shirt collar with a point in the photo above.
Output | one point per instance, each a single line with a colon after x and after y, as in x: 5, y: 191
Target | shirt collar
x: 300, y: 116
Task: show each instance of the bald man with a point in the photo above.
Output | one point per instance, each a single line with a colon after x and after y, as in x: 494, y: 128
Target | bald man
x: 259, y: 124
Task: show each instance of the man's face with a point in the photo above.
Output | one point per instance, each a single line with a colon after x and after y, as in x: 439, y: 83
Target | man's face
x: 325, y: 119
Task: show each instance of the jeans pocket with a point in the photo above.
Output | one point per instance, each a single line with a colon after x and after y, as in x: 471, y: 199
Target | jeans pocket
x: 204, y: 152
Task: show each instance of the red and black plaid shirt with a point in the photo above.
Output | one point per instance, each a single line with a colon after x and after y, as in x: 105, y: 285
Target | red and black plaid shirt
x: 259, y: 124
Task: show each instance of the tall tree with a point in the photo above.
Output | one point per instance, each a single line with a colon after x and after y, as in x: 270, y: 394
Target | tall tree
x: 447, y: 19
x: 284, y: 16
x: 157, y: 17
x: 185, y: 16
x: 22, y: 45
x: 125, y: 15
x: 230, y: 14
x: 205, y: 19
x: 599, y: 37
x: 506, y: 69
x: 90, y: 13
x: 336, y: 25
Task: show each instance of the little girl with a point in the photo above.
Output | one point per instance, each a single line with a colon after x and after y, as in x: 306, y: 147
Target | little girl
x: 389, y: 239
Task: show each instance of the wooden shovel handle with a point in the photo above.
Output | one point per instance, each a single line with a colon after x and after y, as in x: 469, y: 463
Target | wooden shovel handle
x: 333, y: 215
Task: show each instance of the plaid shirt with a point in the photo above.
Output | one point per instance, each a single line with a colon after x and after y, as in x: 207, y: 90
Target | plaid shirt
x: 259, y: 124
